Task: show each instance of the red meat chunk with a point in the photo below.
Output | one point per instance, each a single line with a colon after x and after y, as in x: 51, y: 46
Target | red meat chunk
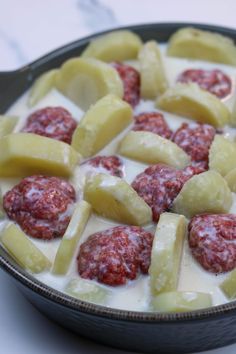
x: 214, y: 81
x: 41, y: 205
x: 212, y: 240
x: 160, y: 184
x: 131, y: 82
x: 195, y: 139
x: 153, y: 122
x: 116, y: 255
x: 52, y: 122
x: 111, y: 164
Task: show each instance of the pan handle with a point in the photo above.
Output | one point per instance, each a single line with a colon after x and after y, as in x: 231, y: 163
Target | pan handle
x: 12, y: 85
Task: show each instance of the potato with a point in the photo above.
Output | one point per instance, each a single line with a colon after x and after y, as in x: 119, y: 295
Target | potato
x: 222, y: 155
x: 7, y: 124
x: 114, y: 198
x: 231, y: 180
x: 151, y: 148
x: 115, y: 46
x: 2, y: 213
x: 204, y: 193
x: 228, y: 286
x: 166, y: 253
x: 86, y: 80
x: 23, y: 250
x: 87, y: 290
x: 193, y: 43
x: 102, y: 122
x: 24, y: 154
x: 42, y: 86
x: 152, y: 72
x: 181, y: 301
x: 189, y: 100
x: 71, y: 238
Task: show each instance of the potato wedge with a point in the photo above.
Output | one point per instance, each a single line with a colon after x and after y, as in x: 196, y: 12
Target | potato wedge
x: 166, y: 253
x: 71, y: 238
x: 88, y: 291
x: 152, y: 72
x: 42, y: 86
x: 102, y: 122
x: 231, y: 180
x: 114, y: 198
x: 189, y: 100
x: 222, y: 155
x: 204, y: 193
x: 23, y: 250
x: 23, y: 154
x: 2, y: 213
x: 115, y: 46
x: 181, y: 301
x: 228, y: 286
x: 7, y: 124
x: 85, y: 80
x: 151, y: 148
x: 194, y: 43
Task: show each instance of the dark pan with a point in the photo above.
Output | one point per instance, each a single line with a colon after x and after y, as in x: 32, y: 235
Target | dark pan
x: 138, y: 331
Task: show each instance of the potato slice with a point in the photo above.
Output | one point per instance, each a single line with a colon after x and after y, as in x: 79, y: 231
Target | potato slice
x: 189, y: 100
x: 7, y: 124
x: 23, y: 154
x: 222, y: 155
x: 231, y: 180
x: 193, y: 43
x: 2, y: 213
x: 117, y: 45
x: 84, y: 81
x: 23, y: 250
x: 166, y: 253
x: 71, y: 238
x: 228, y: 286
x: 181, y: 301
x: 102, y: 122
x: 87, y: 290
x: 42, y: 86
x: 151, y: 148
x: 114, y: 198
x: 204, y: 193
x: 152, y: 72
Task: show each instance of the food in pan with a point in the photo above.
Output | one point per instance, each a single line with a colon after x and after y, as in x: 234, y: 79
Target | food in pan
x: 118, y: 175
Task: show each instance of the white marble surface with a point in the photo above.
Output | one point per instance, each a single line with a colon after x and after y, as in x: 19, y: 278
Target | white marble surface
x: 29, y: 29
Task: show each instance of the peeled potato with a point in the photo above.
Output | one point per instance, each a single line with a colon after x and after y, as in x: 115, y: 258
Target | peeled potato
x: 181, y: 301
x: 193, y: 43
x: 101, y: 123
x: 71, y: 238
x: 207, y: 192
x: 222, y: 155
x: 151, y: 148
x: 114, y: 198
x: 114, y: 46
x: 85, y: 80
x: 23, y: 250
x: 87, y: 290
x: 152, y: 72
x: 7, y: 124
x: 24, y: 154
x: 228, y: 286
x: 189, y: 100
x: 231, y: 180
x: 42, y: 86
x: 166, y: 253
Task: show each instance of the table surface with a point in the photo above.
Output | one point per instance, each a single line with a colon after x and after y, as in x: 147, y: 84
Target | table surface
x: 29, y: 29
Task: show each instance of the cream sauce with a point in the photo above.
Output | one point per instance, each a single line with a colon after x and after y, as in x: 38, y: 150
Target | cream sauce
x: 136, y: 294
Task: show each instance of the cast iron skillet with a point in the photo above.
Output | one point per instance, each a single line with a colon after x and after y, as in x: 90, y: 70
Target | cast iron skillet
x: 137, y: 331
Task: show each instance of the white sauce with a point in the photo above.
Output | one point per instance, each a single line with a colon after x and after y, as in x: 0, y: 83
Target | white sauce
x: 135, y: 295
